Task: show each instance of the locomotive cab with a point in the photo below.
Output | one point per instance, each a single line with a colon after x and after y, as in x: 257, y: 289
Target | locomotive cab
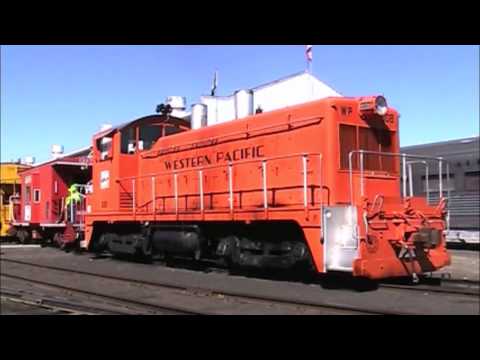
x: 116, y: 155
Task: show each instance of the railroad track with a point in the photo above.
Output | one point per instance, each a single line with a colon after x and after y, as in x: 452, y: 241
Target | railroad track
x: 164, y: 308
x: 55, y: 306
x: 454, y: 288
x: 237, y: 295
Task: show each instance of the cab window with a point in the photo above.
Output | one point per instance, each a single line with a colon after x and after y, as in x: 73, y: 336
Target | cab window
x: 104, y: 146
x: 171, y: 130
x: 128, y: 141
x: 149, y: 134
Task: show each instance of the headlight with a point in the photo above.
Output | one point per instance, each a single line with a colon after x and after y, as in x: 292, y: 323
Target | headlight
x: 381, y: 106
x: 373, y: 105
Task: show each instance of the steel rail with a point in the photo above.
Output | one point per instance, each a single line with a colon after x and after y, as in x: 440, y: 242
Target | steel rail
x: 178, y: 310
x: 229, y: 293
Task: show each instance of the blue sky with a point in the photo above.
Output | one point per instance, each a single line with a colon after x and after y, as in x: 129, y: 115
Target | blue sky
x: 62, y: 94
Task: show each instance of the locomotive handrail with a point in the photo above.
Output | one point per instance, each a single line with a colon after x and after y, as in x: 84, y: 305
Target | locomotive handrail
x: 403, y: 156
x: 209, y: 167
x: 410, y: 177
x: 229, y: 165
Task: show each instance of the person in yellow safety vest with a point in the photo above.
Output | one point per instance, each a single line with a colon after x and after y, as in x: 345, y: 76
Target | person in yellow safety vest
x: 74, y: 197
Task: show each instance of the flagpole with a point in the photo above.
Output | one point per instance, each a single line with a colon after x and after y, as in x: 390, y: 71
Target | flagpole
x: 216, y: 100
x: 309, y: 58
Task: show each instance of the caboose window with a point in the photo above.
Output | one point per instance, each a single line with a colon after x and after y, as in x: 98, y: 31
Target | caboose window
x: 28, y: 194
x: 348, y: 143
x: 6, y: 191
x: 36, y: 196
x: 149, y: 134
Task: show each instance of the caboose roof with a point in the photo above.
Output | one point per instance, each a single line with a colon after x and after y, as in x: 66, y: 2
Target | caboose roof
x: 61, y: 159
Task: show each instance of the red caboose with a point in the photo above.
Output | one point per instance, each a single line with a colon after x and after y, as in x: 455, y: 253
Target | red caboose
x: 319, y: 184
x: 43, y: 211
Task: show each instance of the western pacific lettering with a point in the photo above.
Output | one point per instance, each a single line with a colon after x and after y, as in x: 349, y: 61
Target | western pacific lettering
x: 219, y: 157
x: 189, y: 162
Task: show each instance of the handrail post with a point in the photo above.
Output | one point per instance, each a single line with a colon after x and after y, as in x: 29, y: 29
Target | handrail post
x: 320, y: 180
x: 264, y: 184
x: 410, y: 179
x: 362, y: 193
x: 154, y: 205
x: 200, y: 179
x: 175, y: 190
x: 305, y: 195
x: 404, y: 176
x: 350, y: 172
x: 305, y: 185
x: 448, y: 195
x: 230, y: 187
x: 427, y: 175
x: 448, y: 178
x: 440, y: 179
x: 133, y: 197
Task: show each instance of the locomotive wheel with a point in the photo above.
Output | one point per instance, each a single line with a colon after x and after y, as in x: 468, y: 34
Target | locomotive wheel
x: 145, y: 252
x: 102, y: 244
x: 58, y: 241
x: 22, y: 237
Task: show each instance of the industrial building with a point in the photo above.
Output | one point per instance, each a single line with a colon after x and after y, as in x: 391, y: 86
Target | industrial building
x: 463, y: 187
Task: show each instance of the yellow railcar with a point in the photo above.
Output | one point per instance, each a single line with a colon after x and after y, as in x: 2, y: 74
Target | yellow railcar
x: 9, y: 187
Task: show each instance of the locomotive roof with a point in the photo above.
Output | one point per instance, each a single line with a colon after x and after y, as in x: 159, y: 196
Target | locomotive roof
x: 164, y: 118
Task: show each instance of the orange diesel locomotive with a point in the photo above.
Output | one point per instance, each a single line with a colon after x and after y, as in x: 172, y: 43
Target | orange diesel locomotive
x: 321, y: 184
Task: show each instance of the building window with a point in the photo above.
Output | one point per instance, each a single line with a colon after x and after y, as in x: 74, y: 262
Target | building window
x: 36, y: 196
x: 55, y: 187
x: 434, y: 185
x: 472, y: 181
